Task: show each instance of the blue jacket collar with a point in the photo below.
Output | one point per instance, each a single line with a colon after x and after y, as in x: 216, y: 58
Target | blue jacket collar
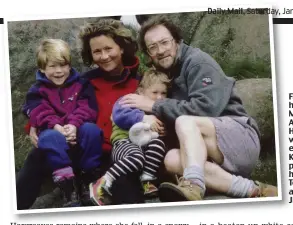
x: 73, y: 76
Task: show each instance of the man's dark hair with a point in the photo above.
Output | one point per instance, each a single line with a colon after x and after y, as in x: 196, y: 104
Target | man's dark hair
x: 155, y: 21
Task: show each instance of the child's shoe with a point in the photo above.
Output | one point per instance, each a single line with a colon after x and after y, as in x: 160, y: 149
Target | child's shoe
x: 100, y: 193
x: 149, y: 189
x: 70, y: 194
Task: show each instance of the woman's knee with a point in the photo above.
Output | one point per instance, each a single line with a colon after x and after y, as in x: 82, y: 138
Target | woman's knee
x: 172, y: 162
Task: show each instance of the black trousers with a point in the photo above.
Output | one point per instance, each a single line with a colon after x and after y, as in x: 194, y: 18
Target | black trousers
x: 125, y: 190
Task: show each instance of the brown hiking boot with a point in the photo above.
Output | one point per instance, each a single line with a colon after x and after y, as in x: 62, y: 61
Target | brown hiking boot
x: 184, y: 191
x: 264, y: 190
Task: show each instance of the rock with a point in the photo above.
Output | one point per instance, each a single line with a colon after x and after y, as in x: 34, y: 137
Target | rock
x: 51, y: 200
x: 242, y: 53
x: 257, y: 98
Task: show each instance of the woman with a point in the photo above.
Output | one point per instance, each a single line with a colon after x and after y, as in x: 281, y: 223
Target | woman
x: 111, y: 47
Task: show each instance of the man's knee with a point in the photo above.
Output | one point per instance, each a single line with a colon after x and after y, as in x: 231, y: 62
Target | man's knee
x: 182, y: 120
x: 172, y: 162
x: 195, y: 124
x: 186, y: 125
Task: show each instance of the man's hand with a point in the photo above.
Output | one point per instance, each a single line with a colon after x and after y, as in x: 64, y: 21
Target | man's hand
x: 70, y: 133
x: 137, y: 101
x: 33, y: 136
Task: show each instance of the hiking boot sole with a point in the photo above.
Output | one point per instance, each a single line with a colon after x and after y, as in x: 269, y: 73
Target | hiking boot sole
x: 98, y: 201
x: 153, y: 194
x: 169, y: 193
x: 92, y: 197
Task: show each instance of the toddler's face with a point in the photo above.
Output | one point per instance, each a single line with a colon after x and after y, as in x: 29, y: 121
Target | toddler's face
x: 156, y: 91
x: 56, y: 73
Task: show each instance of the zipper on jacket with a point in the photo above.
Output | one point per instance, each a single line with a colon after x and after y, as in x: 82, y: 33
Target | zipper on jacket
x: 60, y: 96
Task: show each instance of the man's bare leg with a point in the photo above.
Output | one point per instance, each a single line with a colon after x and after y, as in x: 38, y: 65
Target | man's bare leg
x: 216, y: 178
x: 198, y: 140
x: 192, y: 185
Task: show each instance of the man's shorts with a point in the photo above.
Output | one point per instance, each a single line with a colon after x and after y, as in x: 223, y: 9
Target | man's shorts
x: 239, y: 144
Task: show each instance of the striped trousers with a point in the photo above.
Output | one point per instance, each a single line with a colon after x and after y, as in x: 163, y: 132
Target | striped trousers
x: 128, y: 157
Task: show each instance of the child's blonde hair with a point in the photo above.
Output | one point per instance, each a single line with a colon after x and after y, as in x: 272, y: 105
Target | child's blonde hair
x: 55, y: 50
x: 151, y: 77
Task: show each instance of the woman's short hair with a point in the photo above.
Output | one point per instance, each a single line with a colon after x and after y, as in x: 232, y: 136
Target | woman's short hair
x: 110, y: 28
x: 55, y: 50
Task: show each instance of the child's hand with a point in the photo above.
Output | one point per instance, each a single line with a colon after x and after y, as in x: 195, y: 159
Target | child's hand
x: 60, y: 129
x: 70, y: 133
x: 156, y: 124
x: 162, y: 131
x: 70, y: 130
x: 153, y: 121
x: 159, y: 129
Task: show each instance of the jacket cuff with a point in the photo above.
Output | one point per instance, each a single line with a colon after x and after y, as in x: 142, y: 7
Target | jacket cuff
x: 27, y: 128
x: 156, y: 107
x: 51, y: 124
x: 33, y: 122
x: 140, y: 117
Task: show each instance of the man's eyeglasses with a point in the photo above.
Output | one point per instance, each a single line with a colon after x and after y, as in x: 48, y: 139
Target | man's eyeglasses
x: 166, y: 44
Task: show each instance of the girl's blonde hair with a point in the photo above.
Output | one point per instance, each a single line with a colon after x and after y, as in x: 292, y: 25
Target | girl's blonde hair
x: 55, y: 50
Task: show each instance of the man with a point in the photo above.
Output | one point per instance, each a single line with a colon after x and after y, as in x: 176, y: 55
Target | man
x: 216, y: 136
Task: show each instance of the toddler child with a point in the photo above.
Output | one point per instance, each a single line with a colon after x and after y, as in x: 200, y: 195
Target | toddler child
x: 130, y: 157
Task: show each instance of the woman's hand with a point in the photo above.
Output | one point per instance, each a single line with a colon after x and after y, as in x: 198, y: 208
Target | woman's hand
x: 33, y: 136
x: 137, y: 101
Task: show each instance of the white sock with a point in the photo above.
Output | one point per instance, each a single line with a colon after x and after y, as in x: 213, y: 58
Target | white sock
x: 145, y: 176
x: 196, y: 175
x: 241, y: 187
x: 109, y: 180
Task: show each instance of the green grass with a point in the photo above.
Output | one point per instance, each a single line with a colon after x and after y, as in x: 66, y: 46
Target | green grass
x: 247, y: 68
x: 265, y: 170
